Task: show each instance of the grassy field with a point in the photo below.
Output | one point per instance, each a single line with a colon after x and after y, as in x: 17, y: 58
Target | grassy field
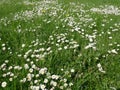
x: 59, y: 45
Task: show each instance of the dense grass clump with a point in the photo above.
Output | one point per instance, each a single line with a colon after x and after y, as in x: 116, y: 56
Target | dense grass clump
x: 59, y: 45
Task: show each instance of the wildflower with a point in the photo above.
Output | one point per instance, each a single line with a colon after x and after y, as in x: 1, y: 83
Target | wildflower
x: 110, y: 37
x: 70, y: 84
x: 37, y: 75
x: 29, y: 77
x: 3, y: 44
x: 61, y: 87
x: 65, y: 47
x: 53, y: 83
x: 42, y: 86
x: 10, y: 79
x: 55, y: 77
x: 4, y: 84
x: 45, y: 80
x: 36, y: 81
x: 48, y: 49
x: 114, y: 51
x: 59, y: 48
x: 33, y: 66
x: 65, y: 80
x: 6, y: 61
x: 43, y: 71
x: 30, y: 70
x: 90, y: 45
x: 10, y: 68
x: 65, y: 85
x: 26, y: 66
x: 19, y: 55
x: 3, y: 48
x: 11, y: 74
x: 100, y: 68
x: 23, y: 45
x: 72, y: 70
x: 4, y: 75
x: 35, y: 87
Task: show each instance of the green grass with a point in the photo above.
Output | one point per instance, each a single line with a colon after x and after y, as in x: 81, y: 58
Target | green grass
x: 62, y: 24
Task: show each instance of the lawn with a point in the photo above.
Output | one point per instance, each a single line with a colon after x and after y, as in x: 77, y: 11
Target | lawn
x: 59, y: 45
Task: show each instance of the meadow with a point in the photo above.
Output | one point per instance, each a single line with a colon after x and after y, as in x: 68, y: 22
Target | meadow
x: 59, y: 45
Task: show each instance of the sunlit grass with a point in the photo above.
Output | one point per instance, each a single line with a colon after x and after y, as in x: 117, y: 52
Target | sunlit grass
x: 55, y: 45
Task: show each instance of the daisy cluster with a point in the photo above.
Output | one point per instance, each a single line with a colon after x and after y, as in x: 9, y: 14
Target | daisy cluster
x: 49, y: 29
x: 107, y: 9
x: 38, y: 78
